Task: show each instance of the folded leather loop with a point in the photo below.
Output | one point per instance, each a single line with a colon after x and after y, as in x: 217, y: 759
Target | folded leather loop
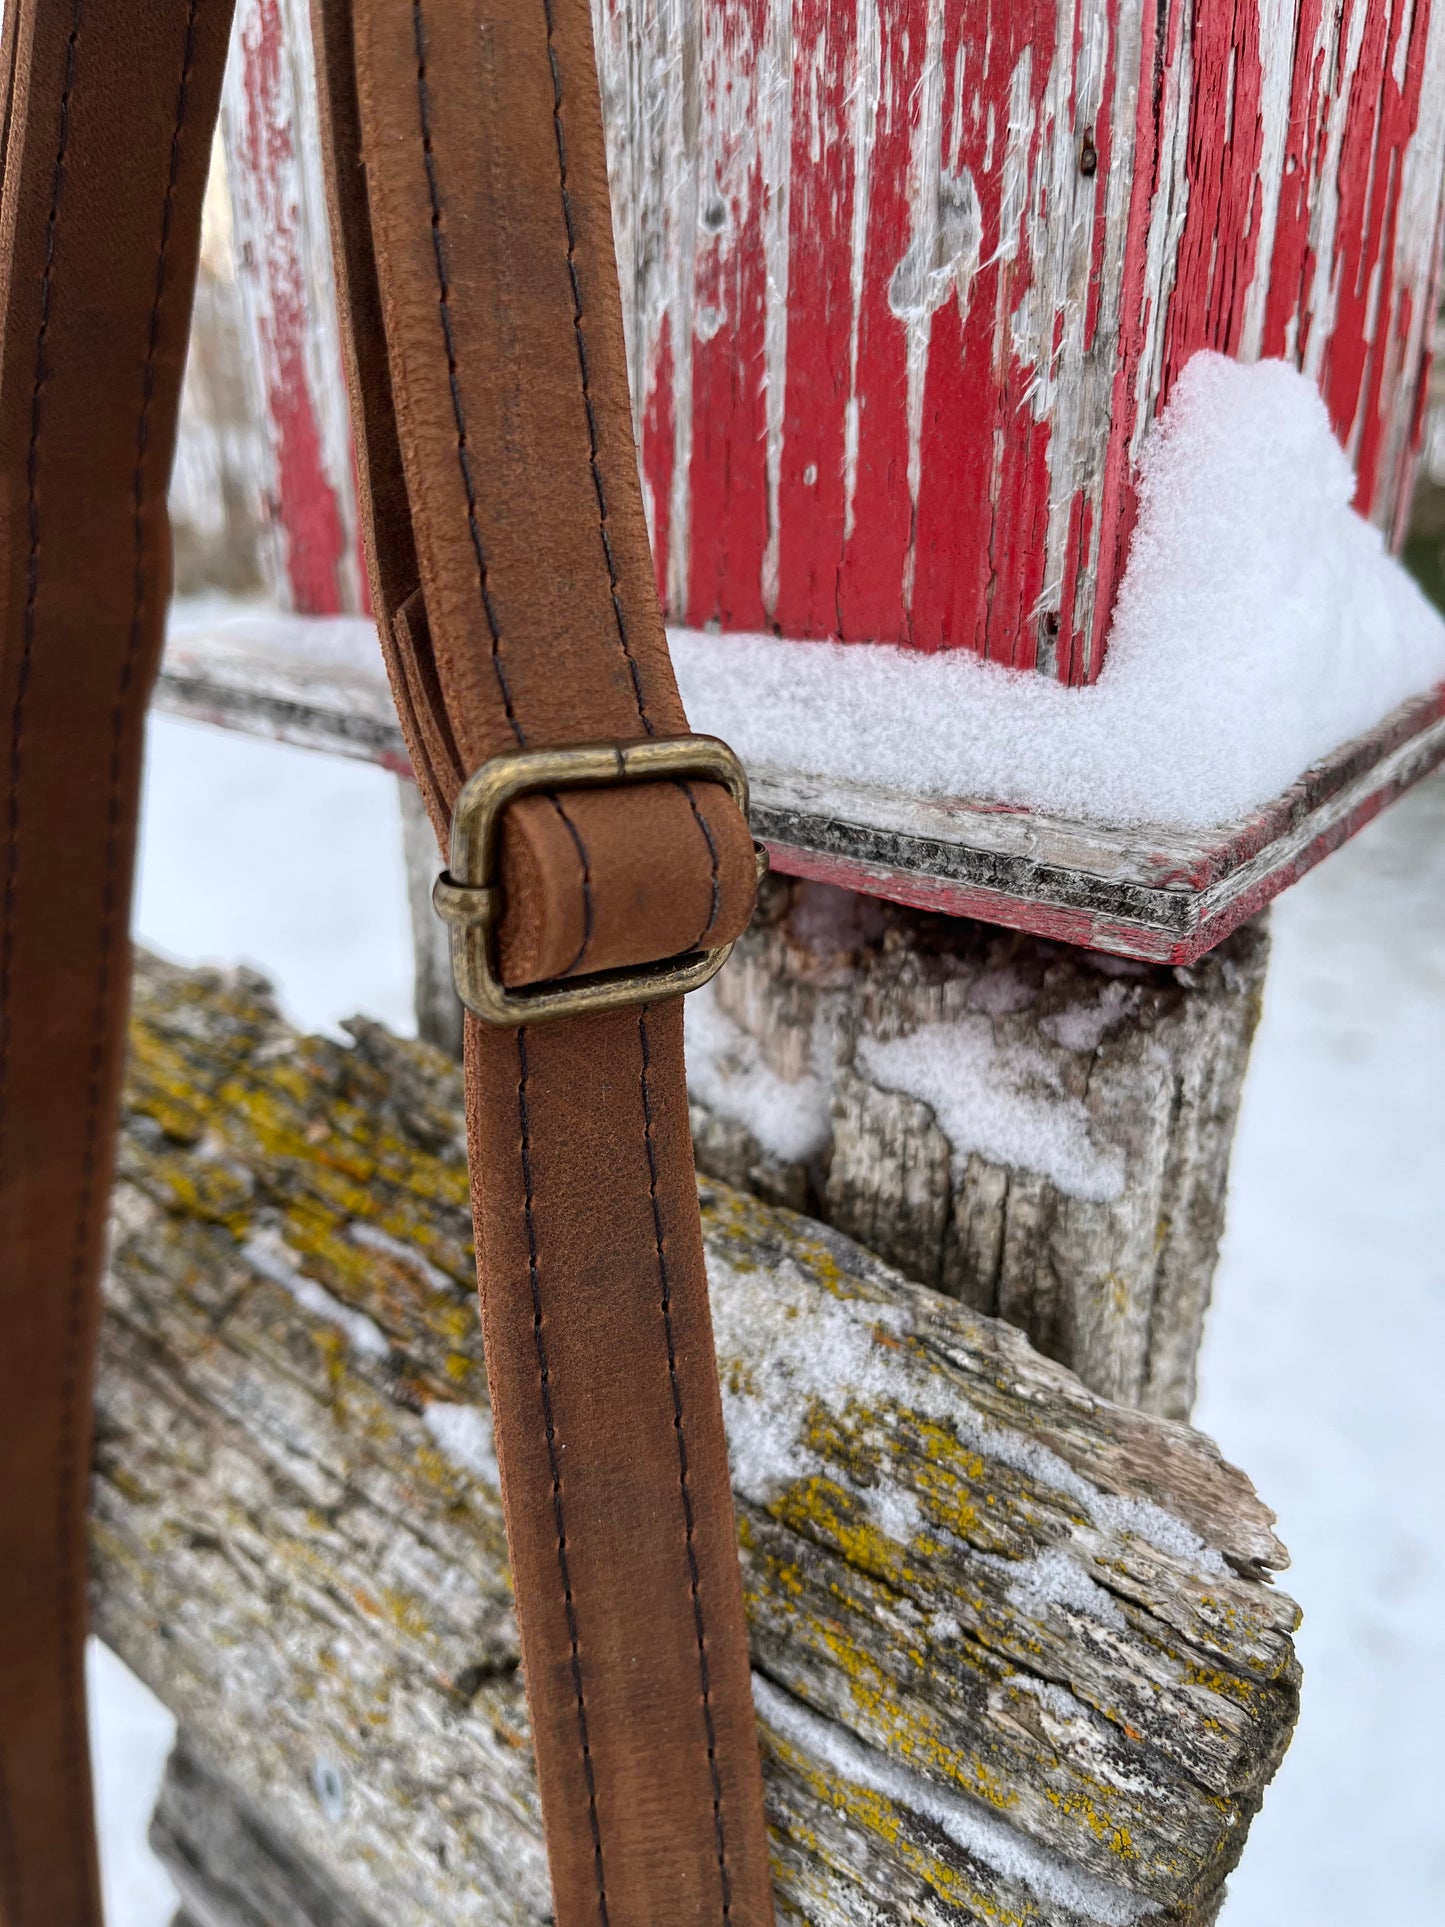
x: 110, y: 108
x: 530, y: 459
x: 508, y: 546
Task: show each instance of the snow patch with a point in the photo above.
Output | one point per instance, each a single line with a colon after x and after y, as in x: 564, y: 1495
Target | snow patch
x: 267, y: 1252
x: 1010, y: 1854
x: 1052, y: 1577
x: 725, y: 1071
x: 1002, y: 1102
x: 372, y: 1238
x: 1260, y: 625
x: 1081, y: 1027
x: 805, y: 1345
x: 464, y: 1435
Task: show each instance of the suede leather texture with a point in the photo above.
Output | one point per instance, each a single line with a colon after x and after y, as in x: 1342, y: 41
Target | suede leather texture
x: 508, y: 553
x: 109, y: 111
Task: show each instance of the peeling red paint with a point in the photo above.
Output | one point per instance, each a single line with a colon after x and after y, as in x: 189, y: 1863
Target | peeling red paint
x: 924, y: 271
x: 303, y: 500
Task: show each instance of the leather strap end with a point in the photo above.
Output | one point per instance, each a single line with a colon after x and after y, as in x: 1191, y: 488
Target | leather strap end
x: 603, y: 880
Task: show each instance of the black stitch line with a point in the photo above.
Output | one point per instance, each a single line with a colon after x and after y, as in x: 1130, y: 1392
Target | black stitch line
x: 581, y: 340
x: 582, y: 858
x: 711, y: 841
x: 602, y: 529
x: 110, y: 905
x: 682, y: 1474
x: 464, y: 458
x: 444, y: 296
x: 544, y: 1371
x: 74, y: 1717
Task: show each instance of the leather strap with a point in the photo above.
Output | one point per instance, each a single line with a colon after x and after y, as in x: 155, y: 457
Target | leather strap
x: 511, y: 574
x: 108, y: 116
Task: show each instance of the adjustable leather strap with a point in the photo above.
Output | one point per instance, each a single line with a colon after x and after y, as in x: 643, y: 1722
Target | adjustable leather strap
x: 109, y: 110
x: 511, y: 575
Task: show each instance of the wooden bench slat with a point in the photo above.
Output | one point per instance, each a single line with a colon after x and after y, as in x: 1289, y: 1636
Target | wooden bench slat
x: 1015, y: 1652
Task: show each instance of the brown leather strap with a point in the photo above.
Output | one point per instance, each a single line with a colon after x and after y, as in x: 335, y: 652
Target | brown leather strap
x: 110, y: 106
x: 510, y: 564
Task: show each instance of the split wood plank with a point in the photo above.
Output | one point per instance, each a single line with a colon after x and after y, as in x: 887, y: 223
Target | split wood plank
x: 1015, y: 1652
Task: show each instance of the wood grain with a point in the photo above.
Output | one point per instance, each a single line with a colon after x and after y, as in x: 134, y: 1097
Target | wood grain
x: 1135, y: 1071
x: 1016, y: 1655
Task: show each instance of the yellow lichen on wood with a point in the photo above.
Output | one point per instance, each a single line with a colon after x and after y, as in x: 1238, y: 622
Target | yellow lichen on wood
x: 946, y: 1544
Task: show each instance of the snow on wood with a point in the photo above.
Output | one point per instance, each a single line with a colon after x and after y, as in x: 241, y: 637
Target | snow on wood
x: 905, y: 287
x: 1260, y: 625
x: 1016, y: 1656
x: 1041, y: 1132
x: 1165, y: 896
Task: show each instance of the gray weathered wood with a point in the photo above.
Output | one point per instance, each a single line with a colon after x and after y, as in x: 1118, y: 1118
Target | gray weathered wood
x: 1160, y: 895
x: 230, y: 1866
x: 438, y: 1008
x: 1015, y: 1653
x: 1069, y: 1175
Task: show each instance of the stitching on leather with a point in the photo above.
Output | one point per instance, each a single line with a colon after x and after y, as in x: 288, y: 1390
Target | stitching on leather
x: 585, y: 373
x: 715, y: 904
x: 581, y: 848
x: 694, y: 1578
x: 597, y: 484
x: 545, y: 1377
x: 75, y: 1724
x: 464, y: 458
x: 110, y: 920
x: 459, y: 416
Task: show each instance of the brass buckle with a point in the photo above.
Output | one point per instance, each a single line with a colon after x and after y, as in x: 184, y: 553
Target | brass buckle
x: 468, y: 895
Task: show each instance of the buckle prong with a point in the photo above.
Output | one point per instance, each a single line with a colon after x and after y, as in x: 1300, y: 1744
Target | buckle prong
x: 468, y: 895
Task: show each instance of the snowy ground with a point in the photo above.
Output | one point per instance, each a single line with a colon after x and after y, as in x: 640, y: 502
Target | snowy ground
x: 1323, y: 1365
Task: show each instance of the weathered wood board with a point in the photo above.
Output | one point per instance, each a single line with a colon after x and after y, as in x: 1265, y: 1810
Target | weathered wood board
x: 311, y: 550
x: 1038, y: 1130
x: 1163, y: 896
x: 1016, y: 1655
x: 905, y: 286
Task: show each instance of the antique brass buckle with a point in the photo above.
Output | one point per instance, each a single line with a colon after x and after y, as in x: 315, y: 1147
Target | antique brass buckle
x: 468, y: 895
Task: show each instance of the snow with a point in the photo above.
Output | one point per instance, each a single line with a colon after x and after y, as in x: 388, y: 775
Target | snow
x: 266, y: 1251
x: 1259, y: 626
x: 463, y: 1434
x: 1322, y: 1362
x: 1002, y: 1102
x: 966, y: 1823
x: 726, y: 1070
x: 804, y: 1349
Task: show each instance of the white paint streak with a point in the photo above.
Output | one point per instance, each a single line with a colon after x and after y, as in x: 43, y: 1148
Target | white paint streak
x: 775, y: 115
x: 925, y: 274
x: 1277, y: 21
x: 865, y: 92
x: 288, y: 261
x: 1321, y: 297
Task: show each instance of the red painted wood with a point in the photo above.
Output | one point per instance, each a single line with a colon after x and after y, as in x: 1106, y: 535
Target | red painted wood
x: 727, y: 475
x: 813, y: 503
x: 304, y: 501
x: 911, y: 280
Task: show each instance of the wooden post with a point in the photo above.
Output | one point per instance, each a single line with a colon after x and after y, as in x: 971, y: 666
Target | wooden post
x: 1041, y: 1131
x: 438, y: 1008
x: 1015, y: 1652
